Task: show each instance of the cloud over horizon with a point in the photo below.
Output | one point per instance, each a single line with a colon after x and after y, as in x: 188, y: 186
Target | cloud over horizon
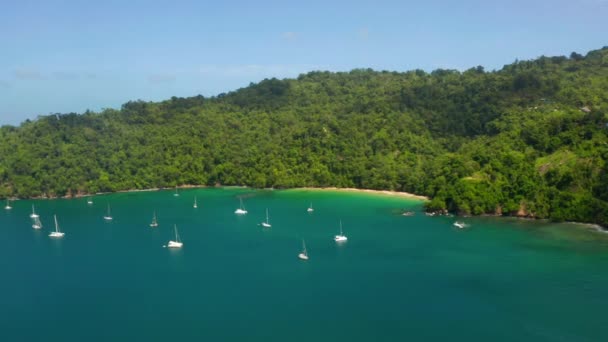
x: 257, y: 70
x: 363, y: 33
x: 289, y: 36
x: 161, y: 78
x: 28, y: 74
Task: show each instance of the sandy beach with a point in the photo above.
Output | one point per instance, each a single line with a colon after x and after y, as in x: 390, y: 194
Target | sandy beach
x: 379, y: 192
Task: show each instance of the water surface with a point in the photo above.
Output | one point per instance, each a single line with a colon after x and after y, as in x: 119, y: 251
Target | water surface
x: 397, y: 278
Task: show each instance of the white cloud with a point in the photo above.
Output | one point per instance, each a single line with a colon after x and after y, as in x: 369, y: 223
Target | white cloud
x: 363, y: 33
x: 60, y: 75
x: 65, y: 75
x: 161, y: 78
x: 289, y: 35
x: 257, y: 70
x: 28, y: 74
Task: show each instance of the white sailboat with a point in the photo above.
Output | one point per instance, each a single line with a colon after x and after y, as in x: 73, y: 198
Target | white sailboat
x: 304, y: 254
x: 340, y: 237
x: 56, y: 233
x: 8, y: 205
x: 267, y: 223
x: 459, y: 224
x: 310, y: 209
x: 195, y: 205
x: 89, y: 201
x: 176, y: 193
x: 108, y: 216
x: 154, y: 221
x: 37, y: 224
x: 177, y: 243
x: 33, y: 215
x: 241, y: 210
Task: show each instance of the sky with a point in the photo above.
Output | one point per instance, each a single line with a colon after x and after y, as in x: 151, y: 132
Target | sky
x: 70, y: 56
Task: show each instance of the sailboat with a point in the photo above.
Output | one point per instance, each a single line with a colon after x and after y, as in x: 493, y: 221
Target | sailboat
x: 37, y: 224
x: 108, y: 216
x: 176, y: 193
x: 33, y: 215
x: 154, y: 221
x: 241, y: 210
x: 89, y: 201
x: 304, y: 254
x: 56, y: 233
x: 340, y: 237
x: 177, y: 243
x: 310, y: 209
x: 8, y: 205
x: 267, y: 223
x: 195, y: 205
x: 459, y: 224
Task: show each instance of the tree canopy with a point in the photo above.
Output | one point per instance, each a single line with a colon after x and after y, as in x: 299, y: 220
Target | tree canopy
x: 529, y: 139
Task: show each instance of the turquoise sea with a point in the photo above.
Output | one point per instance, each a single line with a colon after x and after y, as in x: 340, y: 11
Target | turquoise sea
x: 397, y: 278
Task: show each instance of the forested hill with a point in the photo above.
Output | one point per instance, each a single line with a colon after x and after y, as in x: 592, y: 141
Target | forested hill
x: 529, y: 139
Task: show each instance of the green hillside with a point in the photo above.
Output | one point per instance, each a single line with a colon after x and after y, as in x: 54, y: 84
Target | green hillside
x: 529, y: 139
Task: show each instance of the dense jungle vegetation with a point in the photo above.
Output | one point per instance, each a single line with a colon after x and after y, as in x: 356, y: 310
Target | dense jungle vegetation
x: 529, y: 139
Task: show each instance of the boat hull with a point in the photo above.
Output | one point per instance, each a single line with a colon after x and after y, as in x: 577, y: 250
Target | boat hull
x: 175, y: 244
x: 340, y: 238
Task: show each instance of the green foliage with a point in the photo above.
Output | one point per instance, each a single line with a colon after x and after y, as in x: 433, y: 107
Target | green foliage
x: 529, y: 139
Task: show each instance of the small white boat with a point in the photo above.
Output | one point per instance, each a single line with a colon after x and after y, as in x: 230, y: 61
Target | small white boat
x: 177, y: 243
x: 154, y: 221
x: 176, y: 193
x: 195, y: 205
x: 33, y: 215
x: 108, y: 216
x: 310, y: 209
x: 241, y: 210
x: 266, y: 224
x: 459, y: 224
x: 304, y: 254
x: 37, y: 224
x: 340, y: 237
x: 56, y: 233
x: 89, y: 201
x: 8, y: 205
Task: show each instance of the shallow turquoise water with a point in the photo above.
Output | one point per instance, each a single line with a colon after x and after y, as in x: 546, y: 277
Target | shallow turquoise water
x: 397, y: 278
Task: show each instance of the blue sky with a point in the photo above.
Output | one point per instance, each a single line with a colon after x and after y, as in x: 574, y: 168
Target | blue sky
x: 70, y: 56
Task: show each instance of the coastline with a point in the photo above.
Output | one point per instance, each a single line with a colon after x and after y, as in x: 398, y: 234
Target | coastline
x: 191, y: 186
x: 369, y: 191
x: 592, y: 226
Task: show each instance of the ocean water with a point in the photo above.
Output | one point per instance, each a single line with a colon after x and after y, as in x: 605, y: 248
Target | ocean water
x: 397, y: 278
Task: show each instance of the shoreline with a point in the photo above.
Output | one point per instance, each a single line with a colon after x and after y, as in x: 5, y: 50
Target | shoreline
x: 369, y: 191
x: 591, y: 226
x: 191, y: 186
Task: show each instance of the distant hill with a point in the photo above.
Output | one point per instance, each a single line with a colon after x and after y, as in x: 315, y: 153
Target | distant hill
x: 528, y: 140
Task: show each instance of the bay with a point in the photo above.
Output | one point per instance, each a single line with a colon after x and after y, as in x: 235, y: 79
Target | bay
x: 396, y: 278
